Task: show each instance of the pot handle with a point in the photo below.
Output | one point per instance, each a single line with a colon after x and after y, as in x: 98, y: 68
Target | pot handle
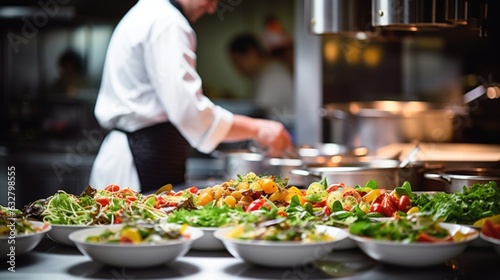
x: 304, y: 173
x: 438, y: 176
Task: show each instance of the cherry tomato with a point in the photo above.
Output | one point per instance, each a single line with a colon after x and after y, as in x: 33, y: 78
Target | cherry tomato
x: 388, y: 206
x: 112, y: 188
x: 193, y: 190
x: 376, y: 207
x: 103, y: 201
x: 334, y: 187
x: 255, y: 205
x: 404, y: 203
x: 394, y: 197
x: 320, y: 204
x: 268, y: 185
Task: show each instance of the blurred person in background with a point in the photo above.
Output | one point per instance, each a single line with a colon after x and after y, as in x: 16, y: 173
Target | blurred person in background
x: 152, y: 102
x: 277, y: 42
x: 272, y: 81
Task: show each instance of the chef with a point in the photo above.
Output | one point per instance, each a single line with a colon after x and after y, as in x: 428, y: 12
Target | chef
x: 152, y: 103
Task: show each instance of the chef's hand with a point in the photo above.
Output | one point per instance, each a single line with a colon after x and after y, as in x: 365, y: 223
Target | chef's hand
x: 273, y: 137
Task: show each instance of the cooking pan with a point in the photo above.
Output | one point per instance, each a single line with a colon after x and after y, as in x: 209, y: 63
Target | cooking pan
x: 456, y: 180
x: 387, y: 173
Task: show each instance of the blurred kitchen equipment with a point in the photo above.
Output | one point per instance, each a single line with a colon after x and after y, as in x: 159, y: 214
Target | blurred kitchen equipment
x: 455, y: 180
x: 357, y: 172
x: 343, y: 17
x: 474, y: 94
x: 410, y: 157
x: 242, y: 161
x: 418, y: 14
x: 380, y: 123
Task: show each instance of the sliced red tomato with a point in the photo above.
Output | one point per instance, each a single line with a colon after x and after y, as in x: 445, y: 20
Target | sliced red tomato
x: 334, y: 187
x: 490, y: 229
x: 118, y: 219
x: 327, y: 210
x: 193, y: 190
x: 104, y: 201
x: 349, y: 191
x: 160, y: 202
x: 425, y: 237
x: 124, y: 239
x: 131, y: 199
x: 320, y: 204
x: 112, y: 188
x: 255, y: 205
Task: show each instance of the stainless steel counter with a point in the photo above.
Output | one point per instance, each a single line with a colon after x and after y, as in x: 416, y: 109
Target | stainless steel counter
x: 52, y: 261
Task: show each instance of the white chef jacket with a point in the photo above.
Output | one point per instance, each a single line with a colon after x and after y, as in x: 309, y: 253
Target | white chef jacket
x: 150, y: 77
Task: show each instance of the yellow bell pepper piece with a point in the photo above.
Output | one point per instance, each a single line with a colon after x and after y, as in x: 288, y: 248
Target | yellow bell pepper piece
x: 132, y: 234
x: 371, y: 195
x: 413, y: 210
x: 495, y: 219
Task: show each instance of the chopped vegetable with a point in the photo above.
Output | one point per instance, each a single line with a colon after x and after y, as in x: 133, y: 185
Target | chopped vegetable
x: 472, y: 204
x: 409, y: 229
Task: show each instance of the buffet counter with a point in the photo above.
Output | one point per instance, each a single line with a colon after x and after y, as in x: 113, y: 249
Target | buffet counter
x: 52, y: 261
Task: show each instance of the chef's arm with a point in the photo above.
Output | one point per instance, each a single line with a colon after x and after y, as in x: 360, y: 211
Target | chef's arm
x: 269, y: 134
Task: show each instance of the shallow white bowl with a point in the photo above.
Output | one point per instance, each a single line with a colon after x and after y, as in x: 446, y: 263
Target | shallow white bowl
x: 280, y: 253
x: 207, y: 242
x: 60, y: 233
x: 132, y: 255
x: 495, y: 243
x: 415, y: 254
x: 23, y: 242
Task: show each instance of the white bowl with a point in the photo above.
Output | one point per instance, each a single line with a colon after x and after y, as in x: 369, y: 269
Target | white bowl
x: 346, y: 243
x: 207, y: 242
x: 23, y: 242
x: 495, y: 243
x: 280, y: 253
x: 60, y: 233
x: 416, y: 254
x: 132, y: 255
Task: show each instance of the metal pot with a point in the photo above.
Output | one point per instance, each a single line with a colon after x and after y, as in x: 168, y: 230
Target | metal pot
x: 243, y: 161
x: 456, y: 180
x: 380, y: 123
x: 387, y: 173
x: 240, y: 163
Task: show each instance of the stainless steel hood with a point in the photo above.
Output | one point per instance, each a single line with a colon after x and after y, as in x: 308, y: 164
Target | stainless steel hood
x: 343, y: 17
x: 352, y: 17
x: 417, y: 15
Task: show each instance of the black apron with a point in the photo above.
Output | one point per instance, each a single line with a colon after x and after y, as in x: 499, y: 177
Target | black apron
x: 160, y: 153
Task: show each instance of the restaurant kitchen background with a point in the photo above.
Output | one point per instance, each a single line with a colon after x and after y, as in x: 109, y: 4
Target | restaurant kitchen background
x: 52, y: 53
